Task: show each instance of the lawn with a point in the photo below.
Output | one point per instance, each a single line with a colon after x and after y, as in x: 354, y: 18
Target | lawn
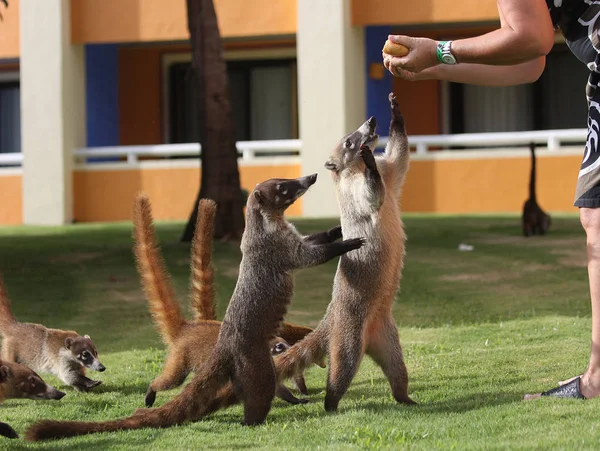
x: 479, y: 329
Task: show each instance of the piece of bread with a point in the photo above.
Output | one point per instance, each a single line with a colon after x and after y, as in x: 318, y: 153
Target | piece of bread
x: 391, y: 48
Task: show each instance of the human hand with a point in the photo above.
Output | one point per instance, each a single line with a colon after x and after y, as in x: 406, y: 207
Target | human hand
x: 422, y: 54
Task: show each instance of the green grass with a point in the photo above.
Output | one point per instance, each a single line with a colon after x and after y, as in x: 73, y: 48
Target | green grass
x: 479, y: 329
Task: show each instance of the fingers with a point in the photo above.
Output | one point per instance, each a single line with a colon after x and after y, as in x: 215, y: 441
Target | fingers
x: 401, y: 39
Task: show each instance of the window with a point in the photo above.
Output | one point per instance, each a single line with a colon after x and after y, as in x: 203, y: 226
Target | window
x: 262, y: 95
x: 555, y: 101
x: 10, y: 117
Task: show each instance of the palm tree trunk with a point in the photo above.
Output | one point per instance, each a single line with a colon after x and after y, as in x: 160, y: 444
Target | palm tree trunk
x: 220, y: 178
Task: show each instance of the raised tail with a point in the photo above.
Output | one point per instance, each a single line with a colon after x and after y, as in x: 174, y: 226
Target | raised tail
x: 293, y: 333
x: 155, y: 278
x: 202, y: 289
x: 195, y: 401
x: 7, y: 319
x: 310, y: 350
x: 533, y: 171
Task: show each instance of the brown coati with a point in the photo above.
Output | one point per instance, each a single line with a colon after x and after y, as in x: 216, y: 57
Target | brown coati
x: 66, y: 354
x: 19, y: 381
x: 534, y: 220
x: 271, y: 250
x: 190, y: 343
x: 359, y: 317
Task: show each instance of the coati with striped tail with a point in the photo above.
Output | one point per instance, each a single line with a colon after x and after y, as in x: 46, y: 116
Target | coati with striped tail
x: 271, y: 250
x: 359, y: 317
x: 534, y: 220
x: 190, y: 343
x: 64, y: 353
x: 19, y: 381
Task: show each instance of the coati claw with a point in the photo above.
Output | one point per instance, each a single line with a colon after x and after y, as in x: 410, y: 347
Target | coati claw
x: 355, y: 243
x: 393, y: 101
x: 368, y: 157
x: 150, y: 398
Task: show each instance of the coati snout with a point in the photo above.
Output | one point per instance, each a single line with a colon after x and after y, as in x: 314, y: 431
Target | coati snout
x: 279, y: 194
x: 84, y: 352
x: 347, y: 151
x: 19, y: 381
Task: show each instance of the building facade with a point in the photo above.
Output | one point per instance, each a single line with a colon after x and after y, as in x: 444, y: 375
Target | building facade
x: 87, y: 74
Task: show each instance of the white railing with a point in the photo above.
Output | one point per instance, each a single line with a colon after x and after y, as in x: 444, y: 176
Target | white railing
x: 253, y: 150
x: 11, y: 159
x: 553, y: 139
x: 250, y: 150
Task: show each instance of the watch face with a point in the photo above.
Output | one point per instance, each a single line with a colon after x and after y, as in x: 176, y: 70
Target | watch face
x: 449, y: 59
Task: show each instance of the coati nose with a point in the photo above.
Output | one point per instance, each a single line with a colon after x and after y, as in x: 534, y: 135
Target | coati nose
x: 56, y: 394
x: 101, y: 367
x: 372, y: 122
x: 309, y: 180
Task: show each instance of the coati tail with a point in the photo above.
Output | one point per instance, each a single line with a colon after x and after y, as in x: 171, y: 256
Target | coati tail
x: 194, y: 402
x: 293, y: 333
x: 295, y: 360
x: 202, y: 290
x: 7, y: 319
x: 154, y: 276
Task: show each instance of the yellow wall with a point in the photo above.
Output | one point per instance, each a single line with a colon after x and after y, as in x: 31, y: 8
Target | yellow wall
x: 11, y: 205
x: 489, y: 185
x: 9, y: 30
x: 160, y: 20
x: 107, y: 195
x: 407, y: 12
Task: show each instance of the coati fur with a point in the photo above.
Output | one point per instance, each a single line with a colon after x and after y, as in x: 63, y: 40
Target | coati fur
x: 534, y: 220
x: 19, y: 381
x: 64, y: 353
x: 359, y: 317
x: 189, y: 343
x: 271, y: 250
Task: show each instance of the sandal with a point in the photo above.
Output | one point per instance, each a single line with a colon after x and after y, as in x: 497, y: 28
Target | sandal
x: 569, y: 390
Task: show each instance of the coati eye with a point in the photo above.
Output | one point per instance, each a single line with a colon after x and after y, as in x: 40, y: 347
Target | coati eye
x: 348, y: 144
x: 85, y: 355
x: 32, y: 385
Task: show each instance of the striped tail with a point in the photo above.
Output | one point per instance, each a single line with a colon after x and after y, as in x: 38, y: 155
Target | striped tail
x: 154, y: 276
x: 202, y: 290
x: 191, y: 404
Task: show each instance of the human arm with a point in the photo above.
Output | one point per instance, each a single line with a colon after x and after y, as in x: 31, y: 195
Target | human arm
x: 526, y: 33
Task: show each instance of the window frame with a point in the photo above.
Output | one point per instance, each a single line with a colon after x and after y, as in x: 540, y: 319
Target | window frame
x: 241, y: 55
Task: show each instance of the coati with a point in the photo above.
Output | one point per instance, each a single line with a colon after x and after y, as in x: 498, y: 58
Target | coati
x: 534, y: 220
x: 271, y: 250
x: 65, y: 354
x: 359, y: 317
x: 19, y: 381
x: 190, y: 343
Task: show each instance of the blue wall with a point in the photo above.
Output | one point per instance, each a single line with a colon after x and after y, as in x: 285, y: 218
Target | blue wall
x: 102, y: 94
x: 378, y: 90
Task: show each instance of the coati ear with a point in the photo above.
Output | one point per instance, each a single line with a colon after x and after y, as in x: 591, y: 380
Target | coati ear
x: 5, y: 373
x: 68, y: 343
x: 259, y: 196
x: 87, y: 336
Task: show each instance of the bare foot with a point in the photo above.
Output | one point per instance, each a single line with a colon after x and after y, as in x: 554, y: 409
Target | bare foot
x: 589, y: 385
x: 529, y: 397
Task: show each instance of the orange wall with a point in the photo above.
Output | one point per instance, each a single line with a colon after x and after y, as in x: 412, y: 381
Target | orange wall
x: 420, y: 103
x: 489, y: 185
x: 107, y: 195
x: 407, y: 12
x: 11, y: 193
x: 9, y: 30
x: 160, y: 20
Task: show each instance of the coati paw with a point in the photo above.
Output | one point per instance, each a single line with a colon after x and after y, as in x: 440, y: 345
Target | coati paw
x: 393, y: 101
x: 368, y: 157
x: 150, y: 398
x: 335, y: 233
x: 7, y: 431
x: 354, y: 243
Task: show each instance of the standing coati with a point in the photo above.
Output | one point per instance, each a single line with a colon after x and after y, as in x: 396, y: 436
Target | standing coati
x: 359, y: 317
x: 65, y: 354
x: 190, y: 343
x: 271, y: 250
x: 19, y: 381
x: 534, y: 220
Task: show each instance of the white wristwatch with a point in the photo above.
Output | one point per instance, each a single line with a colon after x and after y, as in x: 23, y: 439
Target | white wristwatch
x: 444, y: 52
